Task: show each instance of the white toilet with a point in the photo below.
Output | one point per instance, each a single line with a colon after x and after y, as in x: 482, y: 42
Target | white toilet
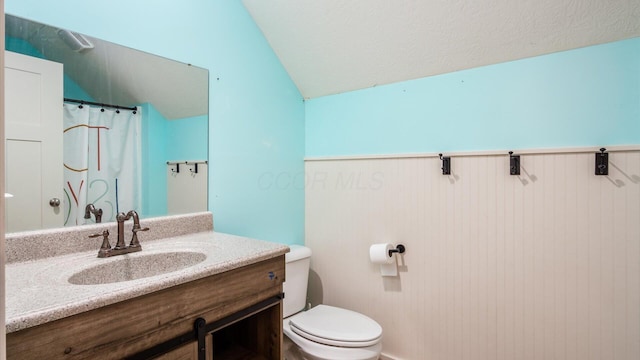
x: 323, y: 332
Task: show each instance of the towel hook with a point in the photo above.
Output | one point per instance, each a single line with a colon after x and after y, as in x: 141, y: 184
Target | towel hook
x: 602, y: 162
x: 446, y: 164
x: 514, y: 164
x: 194, y: 170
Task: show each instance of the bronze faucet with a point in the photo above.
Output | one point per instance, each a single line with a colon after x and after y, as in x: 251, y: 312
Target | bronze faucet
x: 90, y: 209
x: 134, y: 245
x: 121, y: 248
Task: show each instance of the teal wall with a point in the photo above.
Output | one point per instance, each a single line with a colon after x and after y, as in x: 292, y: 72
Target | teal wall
x: 167, y: 140
x: 256, y: 112
x: 582, y: 97
x: 155, y: 131
x: 187, y: 139
x: 22, y: 47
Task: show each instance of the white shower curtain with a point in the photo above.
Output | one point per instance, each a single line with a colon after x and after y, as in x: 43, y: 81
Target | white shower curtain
x: 102, y: 154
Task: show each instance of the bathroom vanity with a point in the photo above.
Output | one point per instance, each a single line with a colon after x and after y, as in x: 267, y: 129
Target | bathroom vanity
x: 209, y: 295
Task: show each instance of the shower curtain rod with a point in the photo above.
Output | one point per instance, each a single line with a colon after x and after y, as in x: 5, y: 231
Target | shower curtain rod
x: 81, y: 102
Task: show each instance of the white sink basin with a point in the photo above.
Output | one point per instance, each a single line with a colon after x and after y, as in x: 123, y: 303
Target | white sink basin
x: 136, y: 266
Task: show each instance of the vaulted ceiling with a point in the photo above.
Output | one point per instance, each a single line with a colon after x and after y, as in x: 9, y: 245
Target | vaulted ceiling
x: 334, y: 46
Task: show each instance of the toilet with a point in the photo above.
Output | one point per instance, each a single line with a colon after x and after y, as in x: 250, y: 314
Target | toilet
x: 323, y: 332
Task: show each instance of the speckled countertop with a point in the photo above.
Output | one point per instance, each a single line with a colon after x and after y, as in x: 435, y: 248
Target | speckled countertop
x: 38, y: 291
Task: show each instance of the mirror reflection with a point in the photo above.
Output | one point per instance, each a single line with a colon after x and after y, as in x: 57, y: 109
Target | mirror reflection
x: 94, y: 128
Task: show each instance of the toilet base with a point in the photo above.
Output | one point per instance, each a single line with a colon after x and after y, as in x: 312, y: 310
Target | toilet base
x: 290, y: 350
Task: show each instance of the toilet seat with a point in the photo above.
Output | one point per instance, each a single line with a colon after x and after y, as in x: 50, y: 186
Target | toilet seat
x: 336, y: 327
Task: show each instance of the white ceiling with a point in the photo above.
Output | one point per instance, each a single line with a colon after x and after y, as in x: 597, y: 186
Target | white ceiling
x: 334, y: 46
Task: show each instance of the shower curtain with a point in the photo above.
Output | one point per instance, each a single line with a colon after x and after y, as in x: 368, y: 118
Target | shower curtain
x: 102, y: 167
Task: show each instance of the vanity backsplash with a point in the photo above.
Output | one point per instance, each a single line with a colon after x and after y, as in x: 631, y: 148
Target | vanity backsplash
x: 34, y: 245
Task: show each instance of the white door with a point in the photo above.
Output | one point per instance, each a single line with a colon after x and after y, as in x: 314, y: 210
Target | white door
x: 33, y: 145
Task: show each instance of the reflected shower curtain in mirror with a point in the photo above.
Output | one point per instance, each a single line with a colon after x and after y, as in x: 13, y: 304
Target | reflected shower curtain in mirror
x: 102, y: 162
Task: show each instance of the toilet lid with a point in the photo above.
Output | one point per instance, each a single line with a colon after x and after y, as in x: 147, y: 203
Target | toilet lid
x: 337, y: 327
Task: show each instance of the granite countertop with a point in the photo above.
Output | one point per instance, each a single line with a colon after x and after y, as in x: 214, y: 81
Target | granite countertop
x: 38, y: 291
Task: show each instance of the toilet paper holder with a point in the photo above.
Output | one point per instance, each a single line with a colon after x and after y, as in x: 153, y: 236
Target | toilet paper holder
x: 399, y: 249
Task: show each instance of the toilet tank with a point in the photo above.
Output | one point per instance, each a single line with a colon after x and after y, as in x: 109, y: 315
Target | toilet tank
x: 297, y: 262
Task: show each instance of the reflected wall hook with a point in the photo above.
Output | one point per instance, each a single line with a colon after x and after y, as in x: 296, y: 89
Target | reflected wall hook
x: 446, y: 164
x: 514, y: 164
x: 602, y: 162
x: 193, y: 170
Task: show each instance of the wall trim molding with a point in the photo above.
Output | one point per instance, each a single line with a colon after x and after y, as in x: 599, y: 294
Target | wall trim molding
x: 535, y: 151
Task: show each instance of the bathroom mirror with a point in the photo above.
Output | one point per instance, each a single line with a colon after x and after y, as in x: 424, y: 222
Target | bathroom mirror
x: 170, y: 103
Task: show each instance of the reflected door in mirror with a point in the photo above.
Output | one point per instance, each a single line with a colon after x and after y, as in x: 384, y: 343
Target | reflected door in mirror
x: 33, y: 120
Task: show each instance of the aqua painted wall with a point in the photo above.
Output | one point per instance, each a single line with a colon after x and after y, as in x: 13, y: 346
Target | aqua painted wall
x: 181, y: 140
x: 167, y: 140
x: 188, y: 138
x: 155, y: 131
x: 22, y: 47
x: 582, y: 97
x: 256, y: 112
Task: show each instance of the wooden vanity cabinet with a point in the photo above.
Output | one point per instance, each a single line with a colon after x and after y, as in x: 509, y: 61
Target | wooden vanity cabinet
x: 135, y: 328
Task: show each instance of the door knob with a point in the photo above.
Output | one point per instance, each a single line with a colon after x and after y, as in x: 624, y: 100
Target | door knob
x: 55, y: 202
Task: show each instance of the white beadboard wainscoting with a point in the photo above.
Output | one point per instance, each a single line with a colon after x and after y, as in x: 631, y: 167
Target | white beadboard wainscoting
x: 545, y: 265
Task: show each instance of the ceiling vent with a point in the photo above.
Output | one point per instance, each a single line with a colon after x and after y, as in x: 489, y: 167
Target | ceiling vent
x: 77, y: 42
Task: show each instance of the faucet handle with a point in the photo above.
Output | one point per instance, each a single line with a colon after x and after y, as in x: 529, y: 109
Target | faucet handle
x: 104, y: 234
x: 134, y: 239
x: 105, y: 249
